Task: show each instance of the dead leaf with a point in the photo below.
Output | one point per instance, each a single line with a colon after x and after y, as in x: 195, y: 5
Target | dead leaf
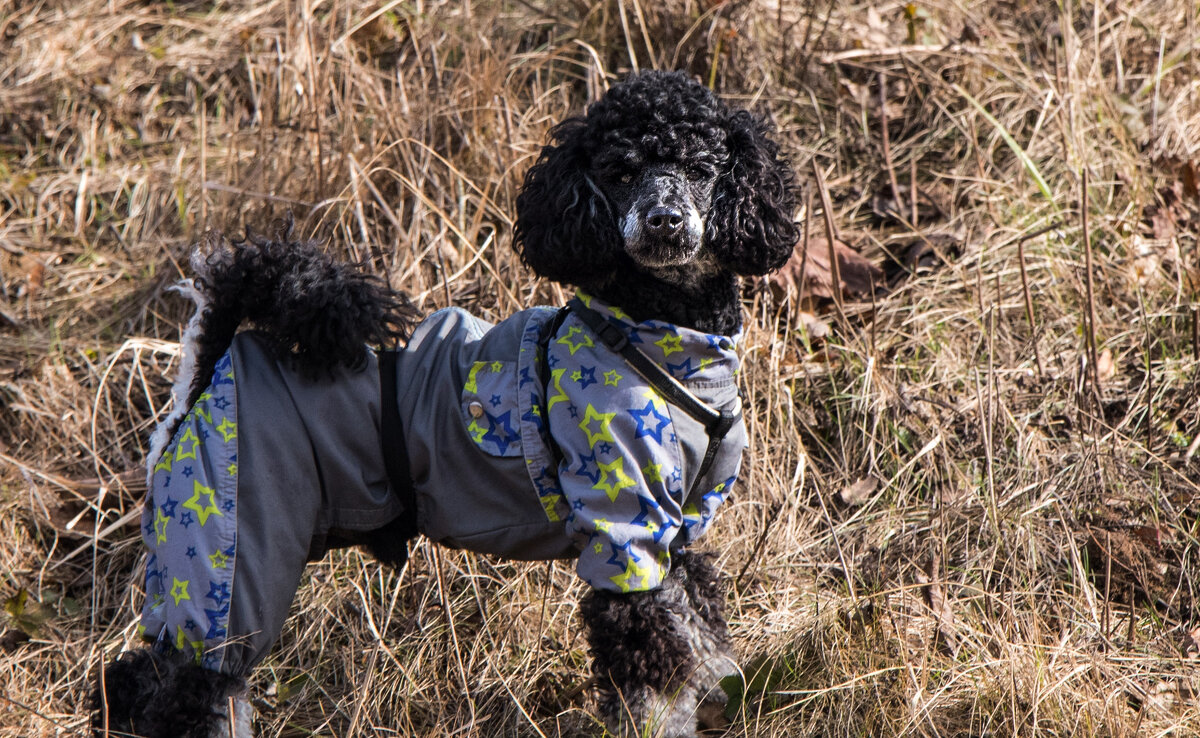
x: 1151, y: 535
x: 35, y: 279
x: 859, y: 492
x: 812, y: 278
x: 1143, y: 269
x: 812, y: 325
x: 1190, y: 643
x: 877, y: 35
x: 935, y: 597
x: 378, y: 35
x: 1105, y: 367
x: 12, y: 639
x: 1162, y: 225
x: 1188, y: 176
x: 26, y: 613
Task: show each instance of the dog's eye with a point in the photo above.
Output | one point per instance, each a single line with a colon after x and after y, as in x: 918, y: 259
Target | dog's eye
x: 696, y: 175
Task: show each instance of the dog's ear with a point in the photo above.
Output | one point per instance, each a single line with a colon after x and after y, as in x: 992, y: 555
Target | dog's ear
x: 750, y: 226
x: 566, y: 230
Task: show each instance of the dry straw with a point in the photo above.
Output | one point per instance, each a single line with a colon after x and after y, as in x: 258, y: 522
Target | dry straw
x: 959, y: 516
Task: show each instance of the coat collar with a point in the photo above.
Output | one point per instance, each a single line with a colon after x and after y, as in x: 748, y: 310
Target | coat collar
x: 685, y: 353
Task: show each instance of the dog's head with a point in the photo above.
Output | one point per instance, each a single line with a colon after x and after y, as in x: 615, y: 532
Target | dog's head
x: 662, y: 177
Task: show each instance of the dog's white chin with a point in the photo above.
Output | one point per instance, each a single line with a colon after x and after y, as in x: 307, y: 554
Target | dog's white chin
x: 652, y: 262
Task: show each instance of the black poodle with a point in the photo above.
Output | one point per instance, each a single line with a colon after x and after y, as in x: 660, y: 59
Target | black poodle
x: 608, y: 431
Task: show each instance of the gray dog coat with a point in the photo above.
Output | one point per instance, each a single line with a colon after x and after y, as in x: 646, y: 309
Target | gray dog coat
x: 529, y: 439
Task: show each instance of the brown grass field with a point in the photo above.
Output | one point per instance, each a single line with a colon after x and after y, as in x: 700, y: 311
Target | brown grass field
x: 970, y: 505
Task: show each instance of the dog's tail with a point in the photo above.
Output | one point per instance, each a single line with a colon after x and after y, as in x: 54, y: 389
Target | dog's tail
x: 318, y: 312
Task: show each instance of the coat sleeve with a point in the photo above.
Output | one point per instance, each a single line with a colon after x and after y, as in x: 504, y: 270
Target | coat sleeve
x: 620, y: 470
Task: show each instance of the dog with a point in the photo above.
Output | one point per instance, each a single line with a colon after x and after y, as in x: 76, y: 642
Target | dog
x: 607, y: 431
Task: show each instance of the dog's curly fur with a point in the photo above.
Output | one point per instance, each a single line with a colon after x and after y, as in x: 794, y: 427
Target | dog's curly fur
x: 568, y: 228
x: 660, y: 655
x: 318, y: 311
x: 656, y: 200
x: 161, y: 694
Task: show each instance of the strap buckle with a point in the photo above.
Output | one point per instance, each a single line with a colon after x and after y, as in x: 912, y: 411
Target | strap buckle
x: 612, y: 336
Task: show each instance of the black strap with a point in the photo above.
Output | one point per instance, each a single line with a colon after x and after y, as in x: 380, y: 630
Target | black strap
x: 395, y: 454
x: 716, y: 423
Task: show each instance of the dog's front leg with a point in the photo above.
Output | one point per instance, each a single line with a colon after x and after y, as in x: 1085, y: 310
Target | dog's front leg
x: 708, y: 635
x: 659, y: 655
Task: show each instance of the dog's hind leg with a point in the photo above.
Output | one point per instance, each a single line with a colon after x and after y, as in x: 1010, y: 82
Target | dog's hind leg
x: 259, y: 470
x: 660, y: 655
x: 165, y: 695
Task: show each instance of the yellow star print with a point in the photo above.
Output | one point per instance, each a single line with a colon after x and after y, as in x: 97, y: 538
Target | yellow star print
x: 187, y: 437
x: 232, y: 469
x: 193, y: 502
x: 472, y: 384
x: 618, y: 481
x: 179, y: 590
x: 603, y: 525
x: 160, y: 526
x: 654, y: 397
x: 201, y: 410
x: 218, y: 559
x: 633, y: 571
x: 181, y: 640
x: 164, y: 463
x: 670, y: 343
x: 549, y: 502
x: 584, y: 342
x: 619, y: 313
x: 611, y: 377
x: 559, y: 395
x: 622, y: 579
x: 604, y: 433
x: 228, y: 430
x: 497, y: 367
x: 652, y: 472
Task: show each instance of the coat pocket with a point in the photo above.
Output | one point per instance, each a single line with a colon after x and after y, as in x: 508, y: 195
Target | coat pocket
x: 489, y: 408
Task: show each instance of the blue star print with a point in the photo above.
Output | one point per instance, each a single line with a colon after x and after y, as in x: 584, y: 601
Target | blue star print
x: 587, y: 375
x: 500, y: 430
x: 627, y: 548
x: 218, y: 594
x: 659, y: 423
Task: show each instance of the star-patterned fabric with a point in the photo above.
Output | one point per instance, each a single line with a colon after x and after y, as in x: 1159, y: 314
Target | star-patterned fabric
x: 189, y: 525
x: 485, y: 415
x: 621, y: 487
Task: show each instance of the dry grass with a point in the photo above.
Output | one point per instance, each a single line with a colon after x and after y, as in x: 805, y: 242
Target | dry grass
x: 1025, y: 561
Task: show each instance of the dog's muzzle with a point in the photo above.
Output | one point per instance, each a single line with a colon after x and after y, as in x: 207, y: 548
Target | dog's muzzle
x: 662, y: 227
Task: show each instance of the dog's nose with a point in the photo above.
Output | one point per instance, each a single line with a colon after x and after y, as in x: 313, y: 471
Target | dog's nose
x: 663, y: 220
